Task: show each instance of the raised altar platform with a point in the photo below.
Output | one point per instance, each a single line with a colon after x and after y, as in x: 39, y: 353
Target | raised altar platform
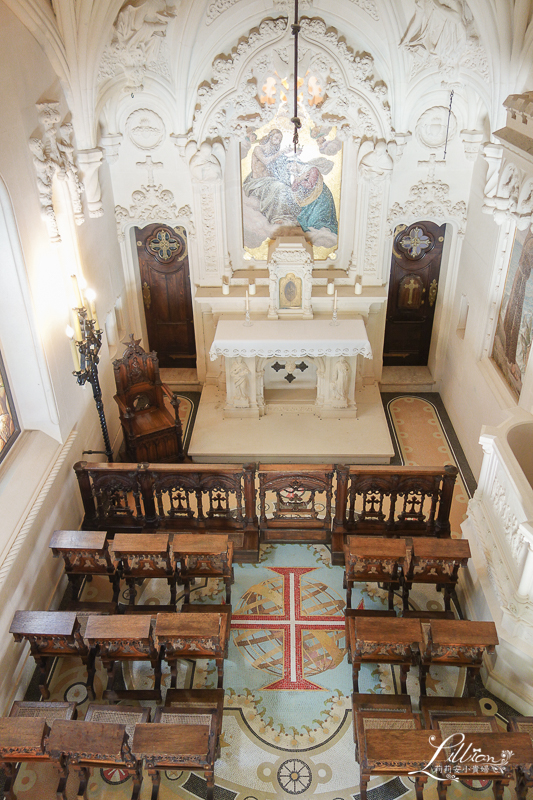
x: 293, y: 437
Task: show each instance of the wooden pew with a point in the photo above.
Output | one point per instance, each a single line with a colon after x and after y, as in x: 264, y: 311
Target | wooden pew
x: 145, y: 556
x: 384, y: 640
x: 125, y: 638
x: 23, y: 739
x: 93, y: 745
x: 85, y: 554
x: 185, y: 746
x: 456, y: 643
x: 53, y: 633
x: 435, y: 561
x: 207, y: 556
x: 193, y: 635
x: 374, y: 560
x: 524, y: 776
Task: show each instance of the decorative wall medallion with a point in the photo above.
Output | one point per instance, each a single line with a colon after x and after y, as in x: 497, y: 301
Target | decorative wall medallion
x: 415, y: 243
x: 432, y: 125
x: 166, y: 247
x: 145, y: 128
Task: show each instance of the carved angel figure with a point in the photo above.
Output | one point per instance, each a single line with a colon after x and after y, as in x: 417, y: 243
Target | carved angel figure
x: 206, y: 162
x: 139, y: 29
x: 441, y: 28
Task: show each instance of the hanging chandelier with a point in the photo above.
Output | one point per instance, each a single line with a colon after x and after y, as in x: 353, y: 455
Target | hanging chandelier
x: 296, y: 121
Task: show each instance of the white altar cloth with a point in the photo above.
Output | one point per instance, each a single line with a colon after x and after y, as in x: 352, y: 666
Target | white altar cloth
x: 286, y: 338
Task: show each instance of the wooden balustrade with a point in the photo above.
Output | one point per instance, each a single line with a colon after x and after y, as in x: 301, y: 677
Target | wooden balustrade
x: 303, y: 502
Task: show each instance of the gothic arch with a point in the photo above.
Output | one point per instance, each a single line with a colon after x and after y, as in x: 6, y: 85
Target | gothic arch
x: 235, y: 100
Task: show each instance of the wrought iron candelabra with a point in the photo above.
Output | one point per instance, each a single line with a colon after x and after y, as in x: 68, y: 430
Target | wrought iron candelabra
x: 86, y: 341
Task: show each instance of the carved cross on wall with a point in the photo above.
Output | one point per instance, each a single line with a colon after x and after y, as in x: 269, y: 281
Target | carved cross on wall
x: 432, y: 165
x: 290, y: 366
x: 150, y: 166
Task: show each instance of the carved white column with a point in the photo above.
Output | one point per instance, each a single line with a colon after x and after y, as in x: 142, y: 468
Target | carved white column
x: 89, y: 161
x: 206, y: 164
x: 375, y: 169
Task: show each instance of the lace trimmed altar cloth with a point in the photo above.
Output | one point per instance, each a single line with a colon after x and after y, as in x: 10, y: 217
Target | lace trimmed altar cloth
x: 286, y: 338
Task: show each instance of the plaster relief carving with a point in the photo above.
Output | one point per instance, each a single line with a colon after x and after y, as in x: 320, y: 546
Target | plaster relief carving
x: 340, y: 84
x: 432, y: 126
x: 137, y: 44
x: 442, y: 35
x: 376, y: 163
x: 429, y: 200
x: 517, y: 542
x: 90, y: 161
x: 53, y: 155
x: 472, y: 141
x: 369, y: 6
x: 207, y: 203
x: 153, y: 203
x: 145, y: 129
x: 206, y: 162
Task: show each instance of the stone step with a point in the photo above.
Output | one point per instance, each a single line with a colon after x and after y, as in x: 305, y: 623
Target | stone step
x: 406, y: 379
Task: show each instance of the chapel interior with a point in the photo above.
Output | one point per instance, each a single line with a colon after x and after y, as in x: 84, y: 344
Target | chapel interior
x: 146, y: 152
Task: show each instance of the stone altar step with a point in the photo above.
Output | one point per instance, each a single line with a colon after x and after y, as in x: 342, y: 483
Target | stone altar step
x: 291, y: 437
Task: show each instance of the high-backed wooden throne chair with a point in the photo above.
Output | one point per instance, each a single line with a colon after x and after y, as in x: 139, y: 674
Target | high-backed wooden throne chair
x: 151, y: 432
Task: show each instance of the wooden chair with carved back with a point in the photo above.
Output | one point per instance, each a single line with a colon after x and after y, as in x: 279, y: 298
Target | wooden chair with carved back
x: 151, y: 433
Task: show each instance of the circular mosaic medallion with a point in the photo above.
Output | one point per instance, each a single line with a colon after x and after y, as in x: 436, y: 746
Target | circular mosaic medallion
x: 294, y: 776
x: 76, y: 693
x: 114, y: 776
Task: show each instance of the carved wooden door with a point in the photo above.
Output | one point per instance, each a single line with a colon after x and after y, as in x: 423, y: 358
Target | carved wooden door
x: 413, y: 288
x: 166, y: 293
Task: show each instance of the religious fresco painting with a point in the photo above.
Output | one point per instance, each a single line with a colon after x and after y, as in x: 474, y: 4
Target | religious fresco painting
x: 9, y: 427
x: 514, y: 331
x: 290, y: 194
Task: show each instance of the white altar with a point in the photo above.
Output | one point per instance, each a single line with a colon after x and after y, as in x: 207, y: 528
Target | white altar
x: 292, y: 365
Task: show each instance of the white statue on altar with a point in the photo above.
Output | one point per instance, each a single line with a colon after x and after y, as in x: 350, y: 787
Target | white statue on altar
x: 239, y: 373
x: 339, y: 383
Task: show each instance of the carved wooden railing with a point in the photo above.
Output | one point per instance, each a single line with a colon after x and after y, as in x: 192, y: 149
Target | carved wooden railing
x: 295, y: 501
x: 176, y: 497
x: 391, y: 501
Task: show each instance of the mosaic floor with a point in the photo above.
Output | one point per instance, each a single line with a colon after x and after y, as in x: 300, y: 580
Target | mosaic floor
x: 287, y: 721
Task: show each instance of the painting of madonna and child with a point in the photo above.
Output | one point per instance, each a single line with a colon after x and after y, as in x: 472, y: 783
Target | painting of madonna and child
x: 289, y: 194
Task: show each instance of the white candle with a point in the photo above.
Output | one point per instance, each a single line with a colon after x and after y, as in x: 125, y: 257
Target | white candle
x: 330, y: 287
x: 90, y: 297
x: 225, y: 286
x: 358, y: 288
x: 77, y: 293
x: 335, y: 301
x: 252, y: 286
x: 73, y: 349
x: 247, y: 301
x: 77, y: 328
